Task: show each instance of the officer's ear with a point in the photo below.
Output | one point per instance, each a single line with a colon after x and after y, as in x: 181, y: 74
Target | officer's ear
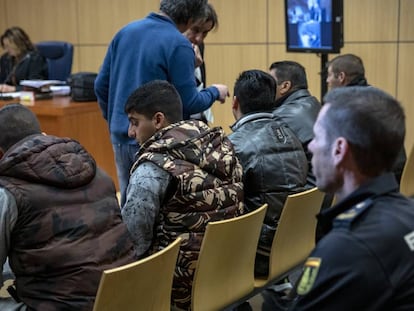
x: 340, y: 150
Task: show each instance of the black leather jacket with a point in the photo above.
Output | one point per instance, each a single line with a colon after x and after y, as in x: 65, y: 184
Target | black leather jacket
x: 274, y: 166
x: 299, y: 111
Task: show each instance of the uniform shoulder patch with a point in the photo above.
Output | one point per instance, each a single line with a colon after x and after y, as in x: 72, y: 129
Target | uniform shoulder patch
x: 346, y: 218
x: 310, y: 272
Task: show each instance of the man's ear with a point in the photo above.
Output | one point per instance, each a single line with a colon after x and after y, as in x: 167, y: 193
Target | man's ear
x: 284, y: 87
x: 340, y: 150
x: 235, y: 108
x: 235, y: 103
x: 342, y: 77
x: 159, y: 120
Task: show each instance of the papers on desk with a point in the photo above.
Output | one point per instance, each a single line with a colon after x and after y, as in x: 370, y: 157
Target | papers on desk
x: 9, y: 95
x: 37, y: 84
x: 60, y: 90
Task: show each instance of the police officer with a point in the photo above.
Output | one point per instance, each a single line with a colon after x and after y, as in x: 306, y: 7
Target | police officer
x: 366, y: 259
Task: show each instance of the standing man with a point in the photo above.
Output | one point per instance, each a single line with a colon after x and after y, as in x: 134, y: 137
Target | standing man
x: 366, y: 260
x: 145, y: 50
x: 186, y: 175
x: 348, y: 70
x: 295, y: 105
x: 60, y: 223
x: 196, y: 35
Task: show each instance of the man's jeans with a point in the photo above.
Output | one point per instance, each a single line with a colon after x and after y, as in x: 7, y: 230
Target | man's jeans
x: 124, y: 159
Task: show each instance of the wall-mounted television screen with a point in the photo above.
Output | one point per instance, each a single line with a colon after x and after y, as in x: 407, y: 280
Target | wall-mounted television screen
x: 314, y: 25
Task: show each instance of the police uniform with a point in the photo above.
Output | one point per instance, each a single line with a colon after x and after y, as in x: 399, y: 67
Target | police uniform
x: 366, y: 259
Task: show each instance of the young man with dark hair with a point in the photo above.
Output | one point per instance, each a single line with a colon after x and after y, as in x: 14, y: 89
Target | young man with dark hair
x: 60, y: 223
x: 186, y: 175
x: 366, y: 259
x: 144, y: 50
x: 273, y: 160
x: 295, y: 105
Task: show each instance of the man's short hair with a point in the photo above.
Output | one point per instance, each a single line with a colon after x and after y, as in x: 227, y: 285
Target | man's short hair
x: 290, y: 71
x: 350, y: 64
x: 372, y: 121
x: 255, y: 91
x: 156, y: 96
x: 16, y: 122
x: 181, y: 11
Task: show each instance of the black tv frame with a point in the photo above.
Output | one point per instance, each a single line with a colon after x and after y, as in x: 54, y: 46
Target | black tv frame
x: 328, y: 28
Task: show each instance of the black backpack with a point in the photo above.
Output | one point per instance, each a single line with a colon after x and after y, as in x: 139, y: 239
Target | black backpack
x: 82, y: 86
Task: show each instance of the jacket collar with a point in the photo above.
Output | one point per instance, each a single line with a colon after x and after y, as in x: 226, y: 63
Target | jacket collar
x: 376, y: 187
x: 292, y: 96
x: 251, y: 117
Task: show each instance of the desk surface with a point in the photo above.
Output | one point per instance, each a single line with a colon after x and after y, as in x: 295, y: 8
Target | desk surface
x: 56, y: 106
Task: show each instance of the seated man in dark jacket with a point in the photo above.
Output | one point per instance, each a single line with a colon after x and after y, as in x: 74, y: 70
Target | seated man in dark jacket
x: 295, y: 105
x: 60, y: 222
x: 273, y: 160
x: 348, y: 70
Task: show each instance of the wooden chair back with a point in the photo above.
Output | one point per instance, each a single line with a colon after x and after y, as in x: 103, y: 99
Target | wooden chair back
x: 143, y: 285
x: 295, y: 234
x: 225, y: 267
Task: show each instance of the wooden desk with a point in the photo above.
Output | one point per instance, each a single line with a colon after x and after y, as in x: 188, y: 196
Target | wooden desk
x: 82, y: 121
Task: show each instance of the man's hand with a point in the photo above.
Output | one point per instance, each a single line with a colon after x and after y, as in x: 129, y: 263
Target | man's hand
x: 4, y: 88
x: 223, y: 90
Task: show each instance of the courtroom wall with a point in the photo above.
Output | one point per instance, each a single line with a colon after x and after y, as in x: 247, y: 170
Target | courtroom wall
x: 251, y: 35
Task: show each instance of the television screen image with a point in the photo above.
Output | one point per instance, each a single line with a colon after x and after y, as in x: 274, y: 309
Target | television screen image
x: 314, y: 25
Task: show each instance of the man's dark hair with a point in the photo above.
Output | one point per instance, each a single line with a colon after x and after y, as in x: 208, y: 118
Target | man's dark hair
x: 290, y: 71
x: 372, y: 121
x: 350, y: 64
x: 156, y: 96
x: 255, y: 91
x: 16, y: 122
x: 181, y: 11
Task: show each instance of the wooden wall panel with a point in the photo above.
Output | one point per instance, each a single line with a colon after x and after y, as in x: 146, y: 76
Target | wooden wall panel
x: 99, y: 20
x: 44, y: 19
x: 91, y: 57
x: 371, y: 20
x: 407, y: 20
x: 224, y: 64
x: 405, y: 84
x: 276, y: 18
x: 240, y: 21
x: 3, y: 16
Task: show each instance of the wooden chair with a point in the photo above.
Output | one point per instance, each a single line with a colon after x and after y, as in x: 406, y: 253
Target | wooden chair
x: 407, y: 177
x: 294, y: 237
x: 143, y: 285
x: 225, y: 267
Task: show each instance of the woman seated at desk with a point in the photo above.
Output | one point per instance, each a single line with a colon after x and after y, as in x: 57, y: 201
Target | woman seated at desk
x: 21, y: 60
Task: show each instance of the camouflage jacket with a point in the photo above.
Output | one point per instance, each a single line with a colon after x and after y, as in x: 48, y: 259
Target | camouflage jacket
x: 206, y: 186
x: 69, y: 227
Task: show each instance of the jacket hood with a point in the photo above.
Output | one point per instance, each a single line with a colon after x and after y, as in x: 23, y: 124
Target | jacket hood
x: 207, y: 148
x: 49, y: 160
